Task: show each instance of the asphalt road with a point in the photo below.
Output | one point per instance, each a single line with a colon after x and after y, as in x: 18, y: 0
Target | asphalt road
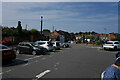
x: 78, y: 61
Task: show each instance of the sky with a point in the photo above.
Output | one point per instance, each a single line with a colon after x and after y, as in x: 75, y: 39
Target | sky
x: 60, y: 0
x: 67, y: 16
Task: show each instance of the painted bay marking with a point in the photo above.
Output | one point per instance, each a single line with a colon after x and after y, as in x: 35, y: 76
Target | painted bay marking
x: 32, y: 58
x: 42, y: 74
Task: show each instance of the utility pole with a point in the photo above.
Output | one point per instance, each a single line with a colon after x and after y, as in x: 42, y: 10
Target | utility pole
x: 53, y: 28
x: 26, y: 27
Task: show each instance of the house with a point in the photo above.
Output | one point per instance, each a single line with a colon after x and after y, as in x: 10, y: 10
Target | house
x: 107, y: 36
x: 58, y: 35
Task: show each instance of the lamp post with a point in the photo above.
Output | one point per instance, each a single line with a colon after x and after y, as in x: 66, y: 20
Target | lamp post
x: 41, y: 26
x: 41, y: 23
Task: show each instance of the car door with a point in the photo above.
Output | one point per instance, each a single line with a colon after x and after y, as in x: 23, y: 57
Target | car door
x: 27, y: 48
x: 21, y: 47
x: 119, y: 45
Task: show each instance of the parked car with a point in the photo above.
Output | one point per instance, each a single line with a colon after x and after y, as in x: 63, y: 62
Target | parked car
x: 64, y: 45
x: 56, y: 44
x: 8, y: 54
x: 46, y: 44
x: 112, y: 45
x: 70, y: 41
x: 30, y: 47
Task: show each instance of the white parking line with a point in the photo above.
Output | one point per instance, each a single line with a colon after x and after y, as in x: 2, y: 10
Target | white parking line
x: 26, y: 64
x: 33, y: 58
x: 5, y: 72
x: 1, y: 73
x: 42, y: 74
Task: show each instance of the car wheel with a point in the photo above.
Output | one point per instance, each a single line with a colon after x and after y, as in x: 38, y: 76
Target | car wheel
x: 17, y: 51
x: 64, y: 46
x: 115, y: 48
x: 104, y: 48
x: 33, y: 52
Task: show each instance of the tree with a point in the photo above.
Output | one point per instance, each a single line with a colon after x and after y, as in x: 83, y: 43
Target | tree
x: 19, y: 27
x: 80, y: 33
x: 46, y: 30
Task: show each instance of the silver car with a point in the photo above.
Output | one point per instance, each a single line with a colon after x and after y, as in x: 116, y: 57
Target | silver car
x: 112, y: 45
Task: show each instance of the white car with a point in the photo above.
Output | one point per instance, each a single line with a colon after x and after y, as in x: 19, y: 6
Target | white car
x: 56, y: 44
x: 112, y: 45
x: 46, y: 44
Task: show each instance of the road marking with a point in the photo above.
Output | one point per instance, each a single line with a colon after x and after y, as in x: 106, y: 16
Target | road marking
x: 32, y: 58
x: 7, y: 71
x: 26, y: 64
x: 42, y: 74
x: 1, y: 73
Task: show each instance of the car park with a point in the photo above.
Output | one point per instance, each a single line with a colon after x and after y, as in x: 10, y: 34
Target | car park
x: 56, y: 44
x: 115, y: 45
x: 8, y: 54
x: 46, y: 44
x: 30, y: 47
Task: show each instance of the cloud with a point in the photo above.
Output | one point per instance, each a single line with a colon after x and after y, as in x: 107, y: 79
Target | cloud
x: 60, y: 0
x: 63, y: 15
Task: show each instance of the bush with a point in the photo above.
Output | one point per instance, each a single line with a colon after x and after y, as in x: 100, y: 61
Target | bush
x: 116, y: 39
x: 97, y: 42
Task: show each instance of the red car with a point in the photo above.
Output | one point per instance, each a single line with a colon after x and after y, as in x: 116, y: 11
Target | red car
x: 7, y: 53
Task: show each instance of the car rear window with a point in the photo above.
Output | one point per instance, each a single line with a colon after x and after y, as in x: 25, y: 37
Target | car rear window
x: 109, y: 43
x: 116, y: 43
x: 50, y: 43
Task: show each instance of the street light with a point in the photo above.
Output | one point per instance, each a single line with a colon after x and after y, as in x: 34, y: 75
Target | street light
x: 41, y: 23
x: 41, y: 27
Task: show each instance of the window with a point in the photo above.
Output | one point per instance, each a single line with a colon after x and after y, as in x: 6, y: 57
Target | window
x: 27, y: 45
x: 109, y: 43
x: 116, y: 43
x: 40, y: 43
x: 21, y: 44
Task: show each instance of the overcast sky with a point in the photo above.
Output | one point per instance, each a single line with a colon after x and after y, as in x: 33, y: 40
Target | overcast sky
x: 67, y: 16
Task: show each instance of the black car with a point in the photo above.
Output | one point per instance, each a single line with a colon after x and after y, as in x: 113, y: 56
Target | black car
x: 30, y: 47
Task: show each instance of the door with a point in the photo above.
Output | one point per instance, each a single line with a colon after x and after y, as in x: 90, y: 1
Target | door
x: 27, y: 48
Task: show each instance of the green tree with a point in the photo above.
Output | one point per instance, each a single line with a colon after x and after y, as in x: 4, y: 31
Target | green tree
x: 46, y: 30
x: 19, y: 27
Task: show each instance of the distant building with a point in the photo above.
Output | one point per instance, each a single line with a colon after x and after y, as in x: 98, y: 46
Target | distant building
x: 107, y: 36
x: 60, y: 35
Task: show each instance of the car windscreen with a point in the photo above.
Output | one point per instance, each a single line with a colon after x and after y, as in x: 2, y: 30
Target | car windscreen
x: 109, y: 42
x: 33, y: 44
x: 40, y: 43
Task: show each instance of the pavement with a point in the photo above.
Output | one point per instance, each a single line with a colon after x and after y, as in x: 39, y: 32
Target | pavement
x: 77, y: 61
